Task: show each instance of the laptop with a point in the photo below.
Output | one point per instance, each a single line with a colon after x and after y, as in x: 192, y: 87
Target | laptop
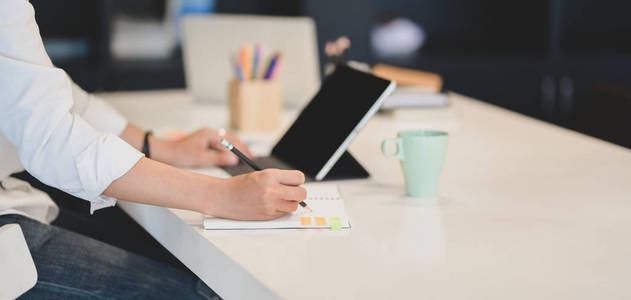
x: 209, y: 42
x: 316, y: 142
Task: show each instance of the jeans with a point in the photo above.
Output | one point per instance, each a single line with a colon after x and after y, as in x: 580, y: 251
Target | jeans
x: 109, y: 225
x: 72, y: 266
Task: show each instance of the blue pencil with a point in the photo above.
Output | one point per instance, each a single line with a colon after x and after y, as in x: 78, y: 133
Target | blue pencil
x: 255, y: 64
x: 238, y: 71
x: 272, y: 65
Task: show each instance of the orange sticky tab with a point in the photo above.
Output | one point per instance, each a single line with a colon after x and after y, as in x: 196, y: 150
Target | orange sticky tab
x: 320, y: 221
x: 305, y: 221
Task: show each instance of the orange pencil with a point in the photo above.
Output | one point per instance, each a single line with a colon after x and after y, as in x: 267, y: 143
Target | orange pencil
x: 245, y: 57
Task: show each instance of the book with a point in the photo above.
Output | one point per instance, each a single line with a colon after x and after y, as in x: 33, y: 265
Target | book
x: 328, y: 212
x: 409, y: 77
x: 411, y: 96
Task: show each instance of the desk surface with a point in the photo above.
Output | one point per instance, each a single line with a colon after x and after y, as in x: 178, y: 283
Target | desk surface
x: 525, y: 210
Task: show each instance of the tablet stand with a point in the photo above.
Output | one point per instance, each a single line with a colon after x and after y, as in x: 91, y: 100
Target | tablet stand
x: 347, y: 167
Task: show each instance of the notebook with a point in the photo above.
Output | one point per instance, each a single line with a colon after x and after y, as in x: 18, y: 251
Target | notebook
x: 324, y: 199
x: 412, y: 96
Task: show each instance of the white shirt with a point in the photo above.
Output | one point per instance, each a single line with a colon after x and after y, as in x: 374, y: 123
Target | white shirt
x: 63, y: 136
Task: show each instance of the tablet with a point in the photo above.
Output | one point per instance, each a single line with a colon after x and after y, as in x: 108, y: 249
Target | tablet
x: 326, y: 126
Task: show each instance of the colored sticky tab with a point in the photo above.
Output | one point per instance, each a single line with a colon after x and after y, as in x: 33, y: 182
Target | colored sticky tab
x: 320, y: 221
x: 336, y: 223
x: 305, y: 221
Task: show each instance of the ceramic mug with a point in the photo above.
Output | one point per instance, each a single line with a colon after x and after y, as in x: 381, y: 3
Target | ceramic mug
x: 422, y: 154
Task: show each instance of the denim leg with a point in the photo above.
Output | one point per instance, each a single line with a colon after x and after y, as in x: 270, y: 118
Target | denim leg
x: 112, y: 225
x: 72, y: 266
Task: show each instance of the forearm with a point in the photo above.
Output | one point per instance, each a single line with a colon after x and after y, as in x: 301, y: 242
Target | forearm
x: 155, y: 183
x: 161, y: 150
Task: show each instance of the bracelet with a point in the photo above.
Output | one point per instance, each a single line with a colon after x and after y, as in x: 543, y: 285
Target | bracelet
x: 145, y: 144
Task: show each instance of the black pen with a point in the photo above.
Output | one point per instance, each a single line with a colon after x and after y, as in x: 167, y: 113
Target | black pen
x: 250, y: 163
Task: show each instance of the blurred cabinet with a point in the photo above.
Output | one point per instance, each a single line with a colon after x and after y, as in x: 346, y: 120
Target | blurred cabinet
x: 567, y: 62
x: 563, y: 61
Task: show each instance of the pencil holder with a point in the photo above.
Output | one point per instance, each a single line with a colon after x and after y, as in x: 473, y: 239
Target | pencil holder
x: 255, y: 105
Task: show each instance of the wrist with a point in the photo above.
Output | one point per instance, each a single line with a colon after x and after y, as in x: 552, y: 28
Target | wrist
x: 207, y: 191
x: 162, y: 151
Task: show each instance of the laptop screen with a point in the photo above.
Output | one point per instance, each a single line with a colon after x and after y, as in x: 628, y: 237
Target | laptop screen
x: 342, y: 101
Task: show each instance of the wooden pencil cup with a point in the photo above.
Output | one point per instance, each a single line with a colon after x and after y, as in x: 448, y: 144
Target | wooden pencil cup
x: 255, y: 105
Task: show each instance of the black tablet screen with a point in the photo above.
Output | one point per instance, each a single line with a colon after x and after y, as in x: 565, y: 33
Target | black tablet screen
x: 323, y: 125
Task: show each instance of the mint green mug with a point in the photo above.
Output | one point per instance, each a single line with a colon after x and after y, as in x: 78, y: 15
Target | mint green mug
x: 422, y: 154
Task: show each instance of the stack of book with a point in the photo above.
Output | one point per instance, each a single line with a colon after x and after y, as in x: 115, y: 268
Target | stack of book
x: 414, y: 88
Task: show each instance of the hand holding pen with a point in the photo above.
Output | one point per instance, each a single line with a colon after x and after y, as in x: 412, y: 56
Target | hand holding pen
x: 250, y: 163
x: 257, y: 196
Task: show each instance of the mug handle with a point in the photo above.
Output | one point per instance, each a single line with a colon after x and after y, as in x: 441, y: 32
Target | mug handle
x: 397, y: 154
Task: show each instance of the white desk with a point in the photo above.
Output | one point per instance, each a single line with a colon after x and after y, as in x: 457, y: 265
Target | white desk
x: 526, y: 210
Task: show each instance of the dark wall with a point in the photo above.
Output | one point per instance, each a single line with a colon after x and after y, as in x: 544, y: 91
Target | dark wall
x: 567, y: 62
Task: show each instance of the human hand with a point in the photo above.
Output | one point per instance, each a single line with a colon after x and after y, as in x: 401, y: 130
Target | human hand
x: 261, y: 195
x: 198, y: 149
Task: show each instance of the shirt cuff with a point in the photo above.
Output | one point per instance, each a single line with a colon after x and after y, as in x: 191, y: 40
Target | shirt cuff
x: 103, y: 161
x: 101, y: 201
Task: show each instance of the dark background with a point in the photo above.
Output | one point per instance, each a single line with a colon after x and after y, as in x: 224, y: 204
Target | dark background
x: 567, y: 62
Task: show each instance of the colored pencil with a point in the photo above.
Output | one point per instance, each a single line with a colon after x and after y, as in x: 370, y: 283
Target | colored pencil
x: 246, y: 61
x: 238, y: 71
x: 276, y: 66
x: 272, y: 66
x: 257, y: 58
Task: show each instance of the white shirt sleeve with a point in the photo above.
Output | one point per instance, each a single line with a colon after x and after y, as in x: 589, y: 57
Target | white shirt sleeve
x: 95, y: 111
x: 55, y: 144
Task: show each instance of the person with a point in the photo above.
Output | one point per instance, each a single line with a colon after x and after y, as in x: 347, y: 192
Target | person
x: 75, y: 142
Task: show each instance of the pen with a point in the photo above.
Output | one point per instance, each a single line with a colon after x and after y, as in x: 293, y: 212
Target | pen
x: 248, y: 161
